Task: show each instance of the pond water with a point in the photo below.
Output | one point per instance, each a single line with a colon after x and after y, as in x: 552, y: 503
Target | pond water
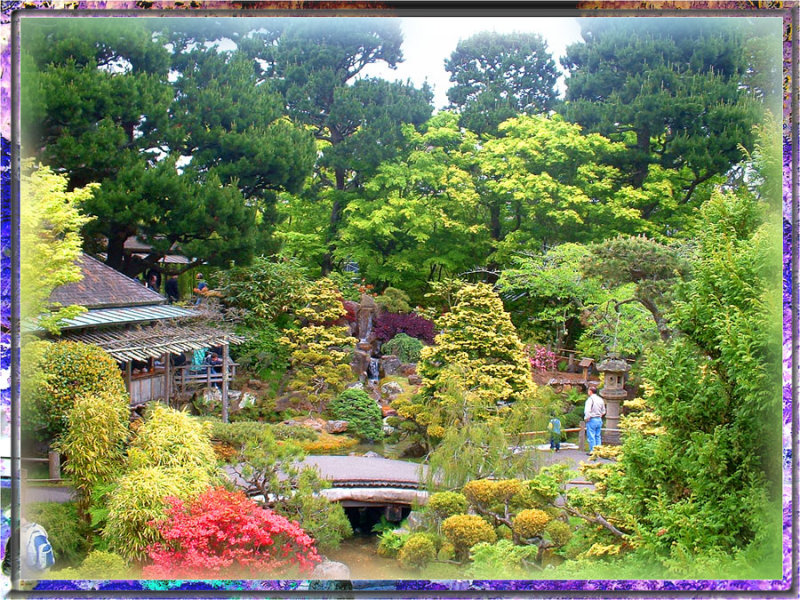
x: 359, y: 553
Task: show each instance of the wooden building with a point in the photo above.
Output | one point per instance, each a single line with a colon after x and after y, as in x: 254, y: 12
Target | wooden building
x: 137, y: 327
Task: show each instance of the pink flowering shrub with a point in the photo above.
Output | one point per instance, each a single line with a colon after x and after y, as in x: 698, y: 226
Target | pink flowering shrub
x: 542, y: 359
x: 227, y: 532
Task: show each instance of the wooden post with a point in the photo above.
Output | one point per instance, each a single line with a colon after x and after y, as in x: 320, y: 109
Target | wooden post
x: 225, y: 382
x: 54, y: 464
x: 168, y: 380
x: 128, y: 382
x: 582, y: 436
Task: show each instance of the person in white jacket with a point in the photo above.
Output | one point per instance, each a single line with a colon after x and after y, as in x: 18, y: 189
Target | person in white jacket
x: 593, y: 412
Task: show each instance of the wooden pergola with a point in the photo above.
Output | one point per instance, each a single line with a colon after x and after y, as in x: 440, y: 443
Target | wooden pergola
x: 160, y: 340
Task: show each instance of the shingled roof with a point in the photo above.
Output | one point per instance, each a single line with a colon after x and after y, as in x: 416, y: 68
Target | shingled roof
x: 104, y: 287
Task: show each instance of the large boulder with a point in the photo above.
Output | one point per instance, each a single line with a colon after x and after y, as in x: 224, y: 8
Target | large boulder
x: 390, y: 364
x: 360, y: 363
x: 391, y: 388
x: 407, y: 369
x: 367, y: 311
x: 414, y: 380
x: 329, y: 569
x: 336, y: 426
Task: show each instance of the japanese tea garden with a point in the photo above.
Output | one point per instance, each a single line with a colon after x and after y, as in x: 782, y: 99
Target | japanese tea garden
x: 285, y: 320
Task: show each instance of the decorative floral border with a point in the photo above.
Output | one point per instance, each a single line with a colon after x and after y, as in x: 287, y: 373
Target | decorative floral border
x: 572, y: 588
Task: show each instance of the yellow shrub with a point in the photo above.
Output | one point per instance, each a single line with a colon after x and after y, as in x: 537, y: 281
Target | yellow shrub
x: 417, y: 552
x: 464, y: 531
x: 328, y: 444
x: 558, y: 532
x: 480, y: 492
x: 530, y: 522
x: 447, y: 504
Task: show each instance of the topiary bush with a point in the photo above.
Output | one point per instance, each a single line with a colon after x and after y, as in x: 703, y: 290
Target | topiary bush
x: 530, y: 523
x: 94, y: 442
x: 388, y: 325
x: 362, y: 413
x: 140, y: 499
x: 68, y: 534
x: 464, y: 531
x: 404, y: 347
x: 56, y: 374
x: 558, y: 532
x: 447, y: 504
x: 417, y: 552
x: 394, y: 300
x: 172, y: 439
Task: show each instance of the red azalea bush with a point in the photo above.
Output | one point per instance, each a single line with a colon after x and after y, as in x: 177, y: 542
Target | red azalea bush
x: 389, y: 325
x: 350, y: 310
x: 224, y: 531
x: 542, y: 359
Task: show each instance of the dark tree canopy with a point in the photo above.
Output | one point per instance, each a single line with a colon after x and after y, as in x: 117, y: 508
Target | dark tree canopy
x: 671, y: 89
x: 498, y: 76
x: 101, y: 106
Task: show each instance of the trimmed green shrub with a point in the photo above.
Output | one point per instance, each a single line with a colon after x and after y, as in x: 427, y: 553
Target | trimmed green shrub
x: 446, y: 552
x: 94, y: 442
x: 530, y: 523
x: 362, y: 413
x: 558, y: 532
x: 172, y: 439
x: 464, y: 531
x: 504, y: 532
x: 417, y: 552
x: 447, y: 504
x: 404, y: 347
x: 68, y: 534
x: 236, y: 434
x: 140, y: 499
x: 394, y: 300
x: 56, y: 374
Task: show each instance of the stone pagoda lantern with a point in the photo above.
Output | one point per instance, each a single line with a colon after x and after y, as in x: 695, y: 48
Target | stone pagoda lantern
x: 613, y: 392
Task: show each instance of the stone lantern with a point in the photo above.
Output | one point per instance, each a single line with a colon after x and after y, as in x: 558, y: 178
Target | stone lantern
x: 613, y: 392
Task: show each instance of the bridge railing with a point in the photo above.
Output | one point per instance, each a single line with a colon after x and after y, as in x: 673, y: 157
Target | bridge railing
x: 581, y: 433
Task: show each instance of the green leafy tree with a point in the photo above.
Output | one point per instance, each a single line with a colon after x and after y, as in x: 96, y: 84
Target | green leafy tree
x: 670, y: 89
x: 499, y: 76
x: 50, y: 243
x: 270, y: 470
x: 316, y: 67
x: 362, y: 413
x: 425, y: 199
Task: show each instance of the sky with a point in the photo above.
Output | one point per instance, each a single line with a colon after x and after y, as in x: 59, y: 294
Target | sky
x: 428, y: 41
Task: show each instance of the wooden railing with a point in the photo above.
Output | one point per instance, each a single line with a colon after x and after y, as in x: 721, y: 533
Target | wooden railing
x: 186, y: 376
x: 581, y: 433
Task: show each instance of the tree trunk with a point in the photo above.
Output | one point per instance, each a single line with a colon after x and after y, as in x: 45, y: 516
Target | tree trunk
x: 115, y: 249
x: 643, y: 157
x: 336, y: 217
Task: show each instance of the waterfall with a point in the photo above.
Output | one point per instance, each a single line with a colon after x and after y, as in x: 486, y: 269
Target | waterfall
x: 373, y: 372
x: 369, y: 328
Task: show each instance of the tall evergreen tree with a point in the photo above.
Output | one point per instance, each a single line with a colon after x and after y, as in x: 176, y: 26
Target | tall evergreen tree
x: 671, y: 89
x: 498, y: 76
x: 317, y: 65
x: 101, y: 106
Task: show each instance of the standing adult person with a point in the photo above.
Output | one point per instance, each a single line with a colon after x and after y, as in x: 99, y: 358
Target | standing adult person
x: 200, y: 288
x: 593, y: 412
x: 171, y: 288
